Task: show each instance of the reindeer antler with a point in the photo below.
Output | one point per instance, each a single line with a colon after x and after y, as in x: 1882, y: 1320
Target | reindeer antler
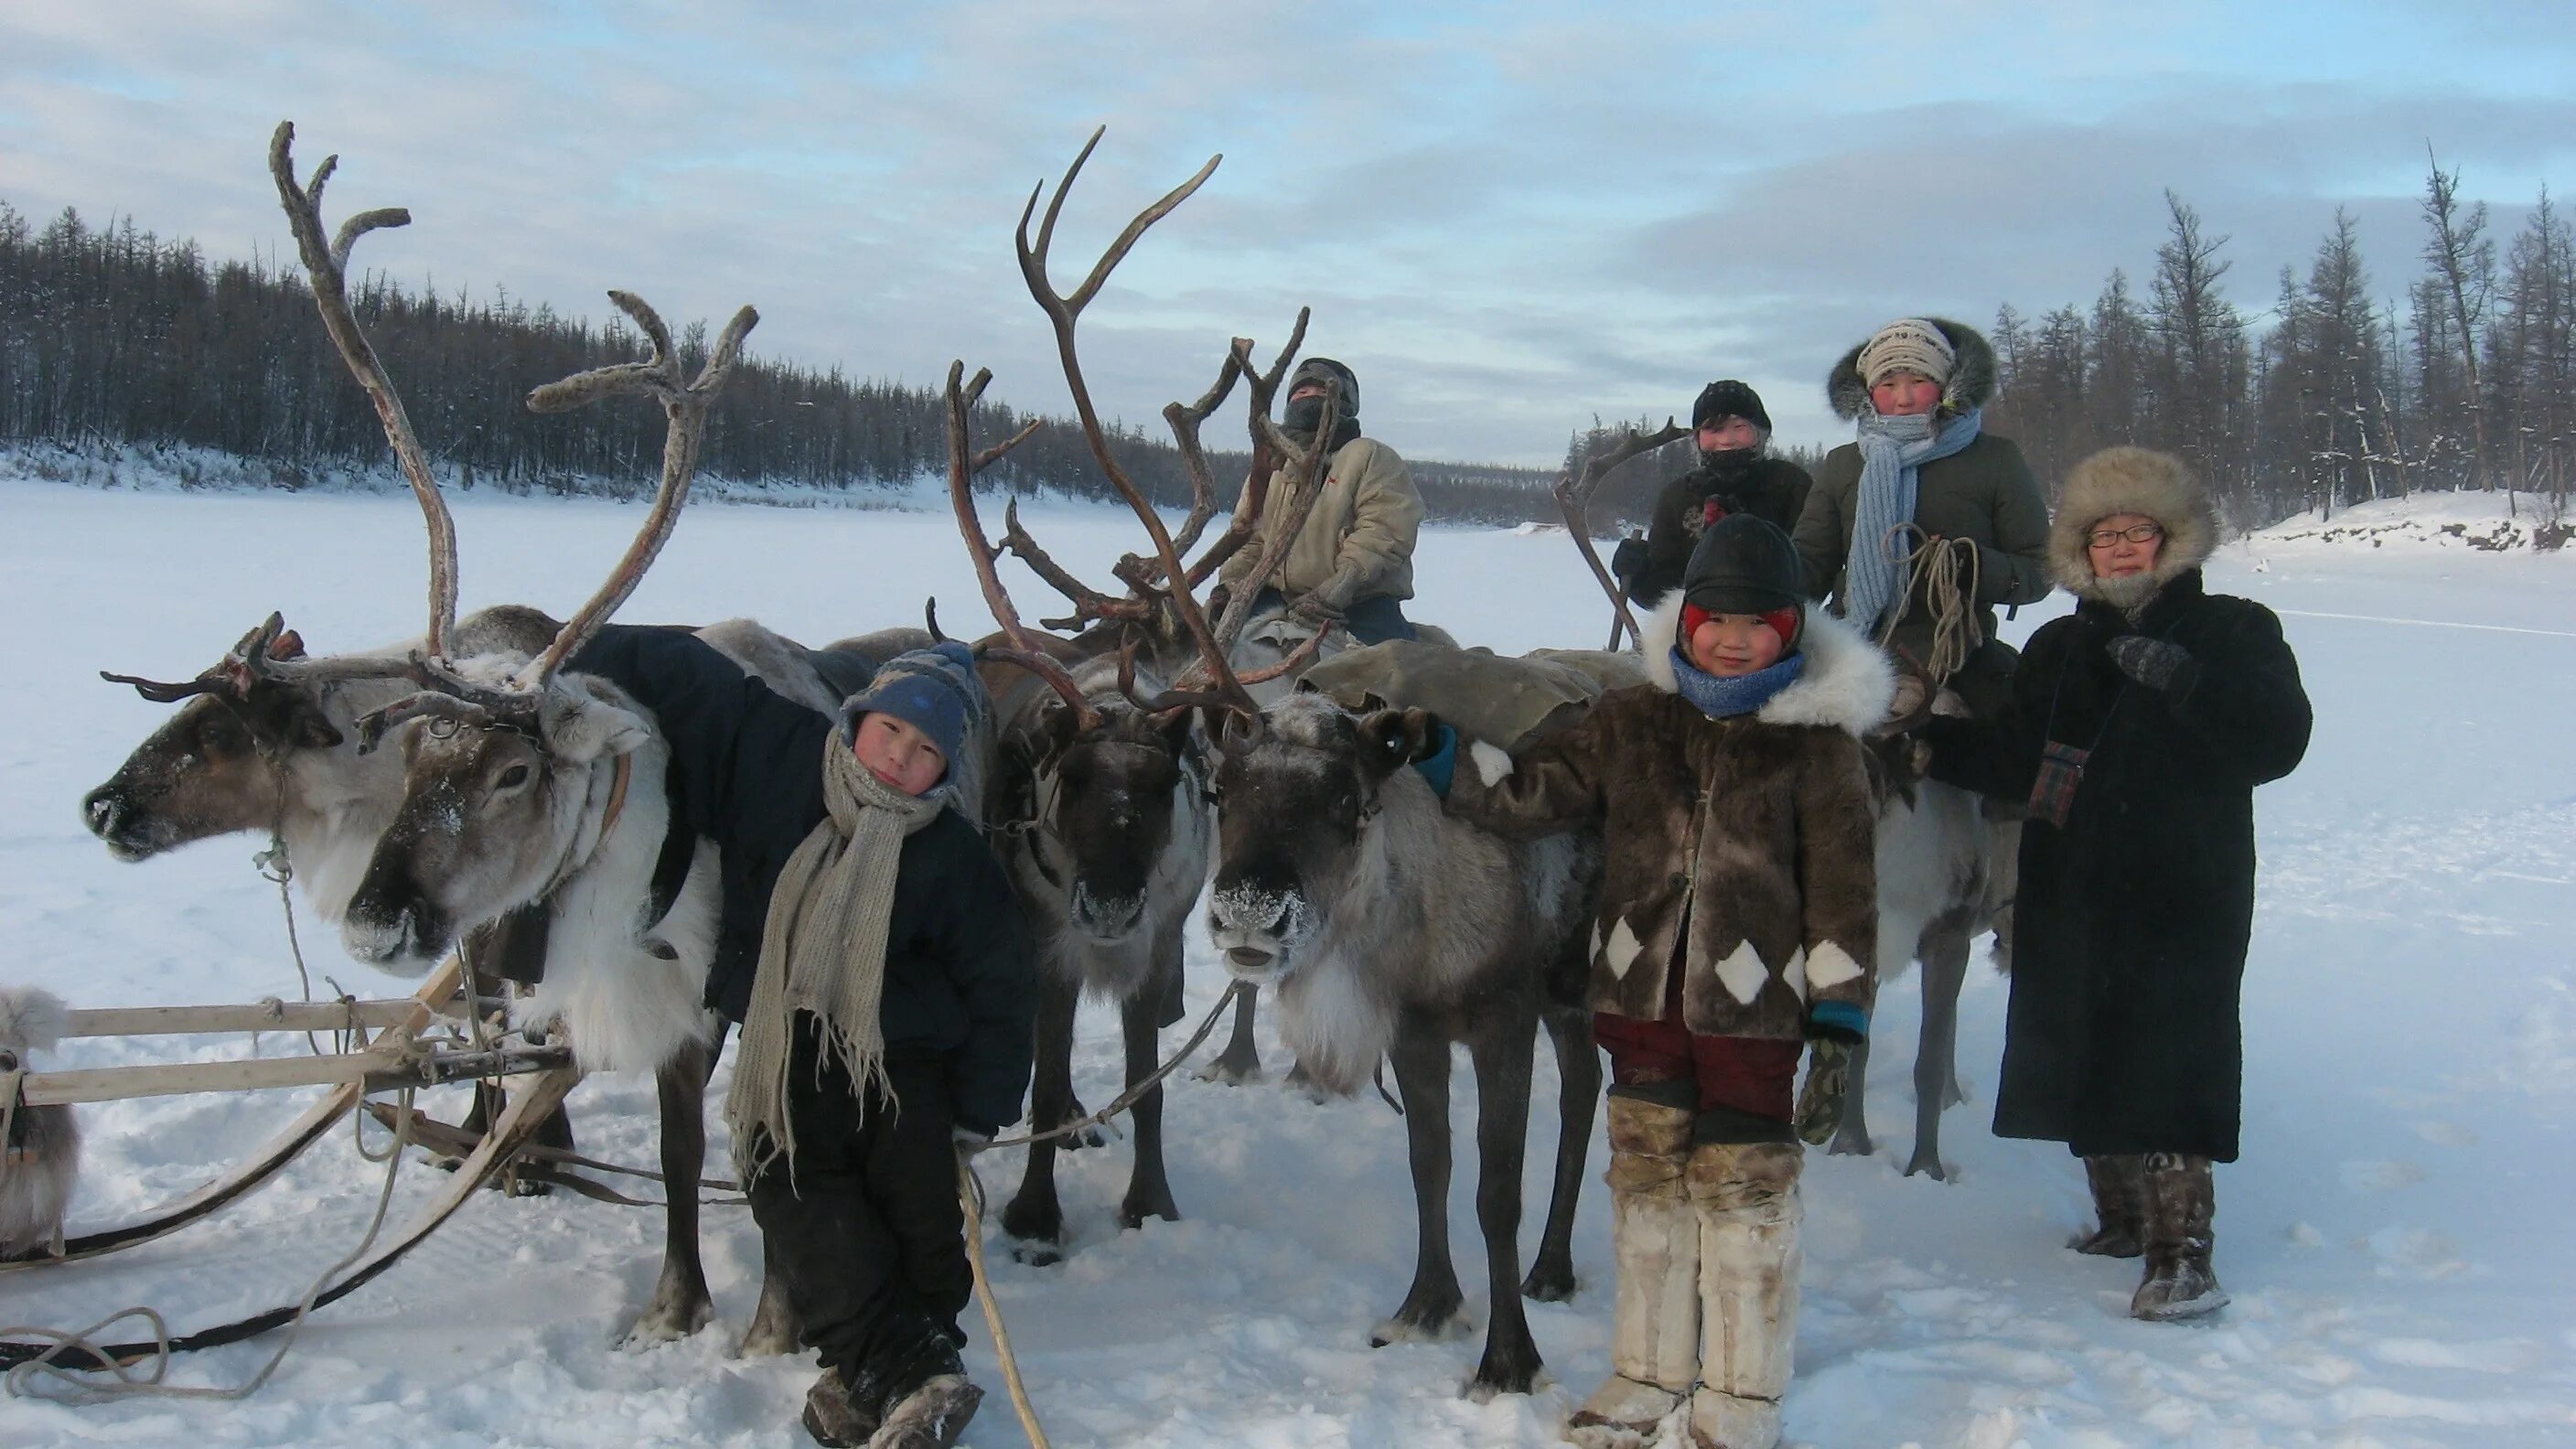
x: 963, y: 464
x: 685, y: 403
x: 1574, y: 499
x: 326, y: 263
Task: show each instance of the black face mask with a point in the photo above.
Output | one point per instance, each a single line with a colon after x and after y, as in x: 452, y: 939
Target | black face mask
x: 1304, y: 414
x: 1729, y: 462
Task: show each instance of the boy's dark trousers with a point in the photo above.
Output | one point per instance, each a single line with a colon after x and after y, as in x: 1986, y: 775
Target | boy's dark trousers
x: 867, y: 1227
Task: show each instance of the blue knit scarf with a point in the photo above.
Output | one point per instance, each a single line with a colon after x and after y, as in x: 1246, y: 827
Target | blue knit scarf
x: 1892, y: 454
x: 1726, y: 698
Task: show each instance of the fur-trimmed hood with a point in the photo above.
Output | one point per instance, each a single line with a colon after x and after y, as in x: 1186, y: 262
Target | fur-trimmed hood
x: 1973, y: 378
x: 1847, y: 682
x: 2130, y: 480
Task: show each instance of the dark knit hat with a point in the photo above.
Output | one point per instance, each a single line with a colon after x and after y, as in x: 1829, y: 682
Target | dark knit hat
x: 1729, y: 398
x: 1325, y: 369
x: 934, y: 690
x: 1744, y: 564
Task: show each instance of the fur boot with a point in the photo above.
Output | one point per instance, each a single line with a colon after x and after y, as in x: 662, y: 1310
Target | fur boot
x: 837, y: 1417
x: 2119, y: 1205
x: 1746, y: 1195
x: 41, y: 1158
x: 2181, y: 1201
x: 1654, y: 1333
x: 930, y: 1417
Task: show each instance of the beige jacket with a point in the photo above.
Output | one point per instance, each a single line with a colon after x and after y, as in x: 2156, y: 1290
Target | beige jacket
x: 1358, y: 543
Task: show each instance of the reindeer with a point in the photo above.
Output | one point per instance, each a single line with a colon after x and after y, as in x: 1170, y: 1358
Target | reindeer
x: 270, y: 741
x: 1099, y: 807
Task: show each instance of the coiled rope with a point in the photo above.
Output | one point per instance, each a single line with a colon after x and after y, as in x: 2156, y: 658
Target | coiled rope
x: 1952, y: 574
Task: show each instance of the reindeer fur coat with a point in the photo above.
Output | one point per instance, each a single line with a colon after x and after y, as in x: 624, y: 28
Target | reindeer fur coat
x: 2130, y: 927
x: 1739, y: 851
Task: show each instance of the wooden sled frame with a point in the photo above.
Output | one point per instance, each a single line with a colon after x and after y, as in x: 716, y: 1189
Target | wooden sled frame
x: 400, y: 1022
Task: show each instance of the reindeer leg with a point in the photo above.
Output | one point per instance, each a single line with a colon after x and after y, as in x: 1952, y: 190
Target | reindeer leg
x: 680, y: 1303
x: 1149, y: 1192
x: 1034, y: 1215
x: 1430, y: 1308
x: 1501, y: 1053
x: 1852, y: 1138
x: 775, y: 1331
x: 1240, y: 1063
x: 1944, y: 955
x: 1578, y: 1088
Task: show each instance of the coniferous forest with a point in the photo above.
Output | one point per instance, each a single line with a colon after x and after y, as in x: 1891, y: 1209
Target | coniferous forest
x: 2335, y: 388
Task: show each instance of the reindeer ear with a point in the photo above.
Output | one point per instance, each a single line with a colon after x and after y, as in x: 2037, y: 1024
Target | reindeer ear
x: 590, y: 728
x: 289, y: 645
x: 1391, y: 738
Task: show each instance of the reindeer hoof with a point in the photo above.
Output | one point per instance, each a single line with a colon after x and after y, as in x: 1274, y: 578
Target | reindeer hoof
x: 1549, y: 1283
x: 1133, y: 1212
x: 665, y: 1323
x: 1037, y: 1255
x: 767, y: 1340
x: 1852, y: 1144
x: 1514, y: 1378
x: 1411, y: 1328
x: 1230, y: 1073
x: 1929, y: 1165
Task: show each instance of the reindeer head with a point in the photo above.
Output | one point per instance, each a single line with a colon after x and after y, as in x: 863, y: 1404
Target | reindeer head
x: 214, y: 767
x: 1101, y: 786
x: 1299, y: 790
x: 496, y: 808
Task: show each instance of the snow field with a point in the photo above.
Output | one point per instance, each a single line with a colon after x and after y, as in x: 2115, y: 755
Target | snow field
x: 2392, y: 1237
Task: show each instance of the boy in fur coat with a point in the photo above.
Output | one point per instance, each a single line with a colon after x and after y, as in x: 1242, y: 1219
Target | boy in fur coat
x: 1738, y: 919
x: 887, y: 988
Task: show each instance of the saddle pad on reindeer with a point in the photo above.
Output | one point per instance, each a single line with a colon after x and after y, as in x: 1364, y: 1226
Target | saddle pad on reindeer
x: 1495, y: 698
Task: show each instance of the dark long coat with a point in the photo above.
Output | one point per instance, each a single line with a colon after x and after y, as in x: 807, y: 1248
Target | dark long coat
x: 2132, y: 919
x: 1772, y: 489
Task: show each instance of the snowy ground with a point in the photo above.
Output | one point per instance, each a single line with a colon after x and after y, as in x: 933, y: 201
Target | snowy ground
x: 2394, y: 1237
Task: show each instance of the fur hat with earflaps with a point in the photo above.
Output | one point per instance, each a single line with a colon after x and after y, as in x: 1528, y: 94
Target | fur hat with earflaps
x: 1914, y: 344
x: 2130, y: 480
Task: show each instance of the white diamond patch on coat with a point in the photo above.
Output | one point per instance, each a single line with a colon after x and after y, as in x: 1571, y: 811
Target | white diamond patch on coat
x: 1830, y: 967
x: 1491, y: 764
x: 1794, y: 975
x: 1743, y: 974
x: 1622, y: 950
x: 1596, y: 938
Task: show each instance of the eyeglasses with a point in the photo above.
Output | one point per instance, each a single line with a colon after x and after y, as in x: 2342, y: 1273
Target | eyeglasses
x: 2134, y: 533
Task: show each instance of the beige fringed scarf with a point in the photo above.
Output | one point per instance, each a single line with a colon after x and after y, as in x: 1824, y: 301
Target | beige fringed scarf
x: 823, y: 950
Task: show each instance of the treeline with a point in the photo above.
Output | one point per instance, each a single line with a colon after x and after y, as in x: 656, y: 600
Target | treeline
x: 111, y: 334
x: 2335, y: 392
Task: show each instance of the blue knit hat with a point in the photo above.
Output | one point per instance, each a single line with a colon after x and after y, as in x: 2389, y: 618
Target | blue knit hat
x: 934, y: 690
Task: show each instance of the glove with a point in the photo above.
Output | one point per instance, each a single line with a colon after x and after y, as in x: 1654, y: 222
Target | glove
x: 1438, y: 759
x: 1628, y: 560
x: 1312, y: 607
x: 2161, y: 666
x: 1820, y: 1102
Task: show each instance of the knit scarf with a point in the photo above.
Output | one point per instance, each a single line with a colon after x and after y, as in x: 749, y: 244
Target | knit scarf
x: 1725, y: 698
x: 1892, y: 454
x: 823, y: 950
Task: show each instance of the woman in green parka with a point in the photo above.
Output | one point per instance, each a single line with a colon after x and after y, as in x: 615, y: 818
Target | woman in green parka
x: 1916, y: 390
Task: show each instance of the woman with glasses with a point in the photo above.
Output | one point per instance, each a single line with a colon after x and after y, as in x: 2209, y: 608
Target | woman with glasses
x: 2137, y: 729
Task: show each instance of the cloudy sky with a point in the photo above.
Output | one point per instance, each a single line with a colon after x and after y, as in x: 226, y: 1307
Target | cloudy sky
x: 1508, y: 217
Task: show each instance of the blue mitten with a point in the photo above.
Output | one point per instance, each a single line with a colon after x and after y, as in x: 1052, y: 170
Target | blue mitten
x: 1837, y: 1021
x: 1439, y: 766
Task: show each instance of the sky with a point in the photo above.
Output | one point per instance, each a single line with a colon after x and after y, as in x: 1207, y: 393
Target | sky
x: 1508, y: 218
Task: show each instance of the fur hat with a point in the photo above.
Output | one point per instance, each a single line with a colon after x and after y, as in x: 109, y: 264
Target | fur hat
x: 1969, y: 384
x: 1744, y: 564
x: 2130, y: 480
x: 1325, y: 369
x: 934, y: 690
x: 1729, y: 399
x: 31, y: 1020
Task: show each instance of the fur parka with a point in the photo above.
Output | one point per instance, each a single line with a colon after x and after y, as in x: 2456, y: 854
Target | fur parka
x: 2130, y: 928
x: 1739, y: 850
x: 1984, y: 493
